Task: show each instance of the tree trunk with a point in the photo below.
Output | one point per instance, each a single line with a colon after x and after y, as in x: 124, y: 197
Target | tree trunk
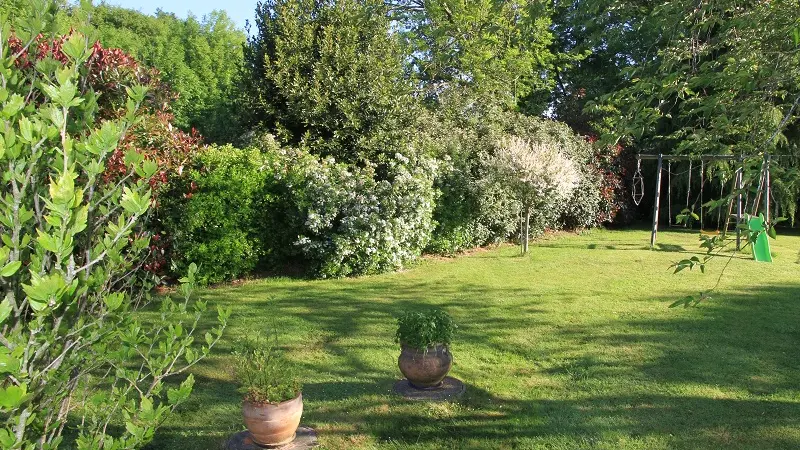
x: 527, y: 232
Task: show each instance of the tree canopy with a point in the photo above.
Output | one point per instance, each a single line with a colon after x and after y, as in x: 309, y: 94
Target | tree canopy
x: 200, y: 58
x: 329, y: 75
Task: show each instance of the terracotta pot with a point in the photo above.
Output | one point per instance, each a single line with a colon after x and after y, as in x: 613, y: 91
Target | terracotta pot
x: 425, y: 369
x: 273, y: 425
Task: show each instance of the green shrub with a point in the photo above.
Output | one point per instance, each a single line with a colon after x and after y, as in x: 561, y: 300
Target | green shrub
x: 283, y: 206
x: 76, y: 354
x: 422, y: 330
x: 583, y: 208
x: 264, y: 375
x: 212, y: 213
x: 471, y: 209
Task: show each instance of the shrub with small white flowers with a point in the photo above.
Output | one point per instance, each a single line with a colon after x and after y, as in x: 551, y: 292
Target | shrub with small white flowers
x: 353, y: 222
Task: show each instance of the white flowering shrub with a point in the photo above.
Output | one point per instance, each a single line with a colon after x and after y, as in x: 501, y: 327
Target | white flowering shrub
x: 345, y: 220
x: 584, y: 208
x: 474, y: 208
x: 284, y: 207
x: 541, y: 177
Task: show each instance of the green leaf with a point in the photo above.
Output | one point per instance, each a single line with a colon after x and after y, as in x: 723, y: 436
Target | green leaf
x: 146, y: 404
x: 79, y: 219
x: 176, y: 396
x: 26, y: 129
x: 149, y: 167
x: 5, y: 310
x: 50, y: 91
x: 13, y: 396
x: 10, y: 268
x: 75, y: 47
x: 46, y: 241
x: 9, y: 361
x: 133, y: 429
x: 13, y: 106
x: 132, y: 157
x: 133, y: 203
x: 44, y: 290
x: 114, y: 301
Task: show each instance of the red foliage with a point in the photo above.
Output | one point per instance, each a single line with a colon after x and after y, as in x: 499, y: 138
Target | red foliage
x: 107, y: 72
x: 39, y: 49
x: 610, y: 164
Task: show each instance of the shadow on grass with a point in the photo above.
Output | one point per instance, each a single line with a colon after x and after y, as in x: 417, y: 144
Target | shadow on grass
x: 631, y: 246
x: 483, y: 420
x: 670, y: 248
x: 744, y: 343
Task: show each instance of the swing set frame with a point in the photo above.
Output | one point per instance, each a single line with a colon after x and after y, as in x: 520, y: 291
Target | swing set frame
x: 764, y: 186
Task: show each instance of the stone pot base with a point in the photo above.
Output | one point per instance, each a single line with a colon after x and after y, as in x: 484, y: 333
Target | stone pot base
x: 449, y: 389
x: 305, y: 438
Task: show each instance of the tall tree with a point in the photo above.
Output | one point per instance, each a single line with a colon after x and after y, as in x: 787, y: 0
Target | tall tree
x: 200, y: 59
x: 608, y: 35
x: 329, y: 75
x: 499, y: 49
x: 727, y: 79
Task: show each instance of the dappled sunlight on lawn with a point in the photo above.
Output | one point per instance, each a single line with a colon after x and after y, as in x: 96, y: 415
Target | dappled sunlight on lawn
x: 571, y: 346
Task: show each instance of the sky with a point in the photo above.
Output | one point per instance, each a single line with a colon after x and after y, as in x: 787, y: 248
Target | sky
x: 238, y: 10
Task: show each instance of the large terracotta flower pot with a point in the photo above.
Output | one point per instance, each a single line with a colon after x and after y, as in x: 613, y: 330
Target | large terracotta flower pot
x: 273, y: 425
x: 425, y: 369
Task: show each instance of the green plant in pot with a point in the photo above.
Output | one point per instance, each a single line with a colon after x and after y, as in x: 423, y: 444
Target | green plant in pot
x: 273, y: 403
x: 424, y: 338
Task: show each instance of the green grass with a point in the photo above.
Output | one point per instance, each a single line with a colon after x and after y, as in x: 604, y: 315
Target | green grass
x: 570, y: 347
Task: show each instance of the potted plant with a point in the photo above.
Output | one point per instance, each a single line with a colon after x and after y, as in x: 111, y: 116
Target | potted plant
x: 424, y: 338
x: 273, y: 403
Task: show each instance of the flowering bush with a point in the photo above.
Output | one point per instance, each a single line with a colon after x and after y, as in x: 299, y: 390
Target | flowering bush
x: 541, y: 177
x: 475, y: 208
x: 471, y: 208
x: 277, y: 206
x: 351, y: 223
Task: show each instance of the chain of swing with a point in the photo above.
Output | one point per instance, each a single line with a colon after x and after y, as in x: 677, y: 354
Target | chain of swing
x: 752, y: 199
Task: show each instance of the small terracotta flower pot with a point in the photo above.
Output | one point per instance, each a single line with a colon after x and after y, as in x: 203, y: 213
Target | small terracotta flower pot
x: 273, y: 425
x: 425, y: 369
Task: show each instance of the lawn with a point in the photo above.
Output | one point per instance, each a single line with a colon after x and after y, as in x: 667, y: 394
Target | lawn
x: 572, y: 346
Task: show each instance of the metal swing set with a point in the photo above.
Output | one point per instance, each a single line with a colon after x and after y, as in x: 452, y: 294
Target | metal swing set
x: 740, y: 202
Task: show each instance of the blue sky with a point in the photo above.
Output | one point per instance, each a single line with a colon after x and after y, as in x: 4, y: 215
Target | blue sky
x: 238, y: 10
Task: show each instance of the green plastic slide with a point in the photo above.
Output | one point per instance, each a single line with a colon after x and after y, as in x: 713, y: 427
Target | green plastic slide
x: 761, y: 247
